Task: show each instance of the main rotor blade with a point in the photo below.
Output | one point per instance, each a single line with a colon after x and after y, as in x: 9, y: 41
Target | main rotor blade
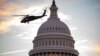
x: 24, y: 15
x: 19, y: 15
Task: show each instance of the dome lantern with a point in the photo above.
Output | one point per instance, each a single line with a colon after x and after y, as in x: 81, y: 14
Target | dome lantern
x: 53, y: 10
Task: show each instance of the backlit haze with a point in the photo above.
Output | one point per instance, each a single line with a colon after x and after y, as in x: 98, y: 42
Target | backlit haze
x: 82, y: 17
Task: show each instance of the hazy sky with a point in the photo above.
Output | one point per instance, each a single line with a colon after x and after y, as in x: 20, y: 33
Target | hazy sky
x: 82, y: 17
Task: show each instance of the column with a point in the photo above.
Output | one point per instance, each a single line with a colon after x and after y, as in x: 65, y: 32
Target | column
x: 42, y: 54
x: 59, y: 54
x: 35, y: 54
x: 56, y: 53
x: 70, y: 54
x: 39, y: 54
x: 51, y: 53
x: 63, y: 54
x: 67, y: 54
x: 46, y: 54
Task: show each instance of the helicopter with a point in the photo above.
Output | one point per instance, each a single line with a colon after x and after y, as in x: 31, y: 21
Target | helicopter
x: 29, y: 18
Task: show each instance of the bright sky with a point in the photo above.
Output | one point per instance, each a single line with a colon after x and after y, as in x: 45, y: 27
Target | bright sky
x: 82, y: 17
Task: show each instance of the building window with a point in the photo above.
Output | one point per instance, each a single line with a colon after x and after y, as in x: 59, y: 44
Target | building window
x: 53, y: 28
x: 47, y: 29
x: 59, y: 29
x: 60, y: 43
x: 50, y: 28
x: 49, y: 43
x: 63, y: 43
x: 39, y: 43
x: 42, y: 43
x: 56, y: 28
x: 66, y: 43
x: 57, y: 43
x: 53, y: 42
x: 36, y: 44
x: 46, y: 43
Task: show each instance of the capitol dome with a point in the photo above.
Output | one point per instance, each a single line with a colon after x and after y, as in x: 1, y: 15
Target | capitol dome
x: 53, y: 25
x: 53, y: 38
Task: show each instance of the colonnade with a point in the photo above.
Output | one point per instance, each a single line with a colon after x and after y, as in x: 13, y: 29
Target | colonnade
x: 53, y: 54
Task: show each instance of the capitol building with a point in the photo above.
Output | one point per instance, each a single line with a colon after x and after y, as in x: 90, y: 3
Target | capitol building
x: 53, y: 37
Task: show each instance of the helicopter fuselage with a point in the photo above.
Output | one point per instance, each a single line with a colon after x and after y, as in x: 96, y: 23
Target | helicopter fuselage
x: 30, y: 18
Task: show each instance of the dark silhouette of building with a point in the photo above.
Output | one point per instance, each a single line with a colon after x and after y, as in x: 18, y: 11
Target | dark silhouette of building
x: 53, y: 37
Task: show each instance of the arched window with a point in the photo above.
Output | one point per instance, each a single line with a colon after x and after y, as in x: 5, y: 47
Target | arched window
x: 39, y: 43
x: 49, y: 43
x: 50, y: 28
x: 53, y: 29
x: 47, y: 29
x: 57, y: 43
x: 64, y: 30
x: 42, y: 43
x: 63, y: 43
x: 46, y: 43
x: 56, y: 28
x: 36, y: 44
x: 66, y: 43
x: 59, y: 29
x: 53, y: 42
x: 60, y: 43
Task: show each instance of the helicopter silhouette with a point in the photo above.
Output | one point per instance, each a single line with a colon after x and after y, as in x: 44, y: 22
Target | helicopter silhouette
x: 29, y: 18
